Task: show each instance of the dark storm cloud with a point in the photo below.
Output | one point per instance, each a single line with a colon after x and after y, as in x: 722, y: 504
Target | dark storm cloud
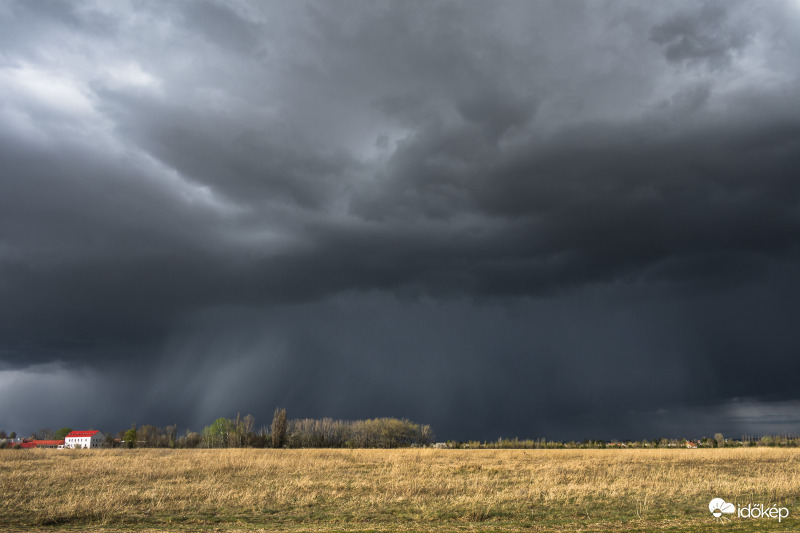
x: 701, y: 34
x: 564, y: 220
x: 221, y: 25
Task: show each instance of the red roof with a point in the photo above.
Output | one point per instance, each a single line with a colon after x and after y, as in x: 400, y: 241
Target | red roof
x: 22, y: 445
x: 48, y: 442
x: 82, y: 433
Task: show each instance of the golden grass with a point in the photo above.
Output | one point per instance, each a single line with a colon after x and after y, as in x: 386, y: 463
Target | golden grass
x: 388, y: 490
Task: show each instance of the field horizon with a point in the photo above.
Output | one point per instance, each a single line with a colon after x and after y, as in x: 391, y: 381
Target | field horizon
x: 389, y: 490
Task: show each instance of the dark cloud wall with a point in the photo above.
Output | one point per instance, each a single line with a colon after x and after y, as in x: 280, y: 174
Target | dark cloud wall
x: 567, y: 219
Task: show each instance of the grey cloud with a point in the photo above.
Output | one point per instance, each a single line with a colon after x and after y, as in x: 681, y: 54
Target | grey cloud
x: 221, y: 24
x: 691, y: 99
x: 703, y: 35
x: 247, y: 165
x: 602, y: 203
x: 497, y: 112
x: 83, y: 18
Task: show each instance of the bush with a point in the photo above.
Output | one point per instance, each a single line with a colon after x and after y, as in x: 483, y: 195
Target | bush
x: 130, y: 438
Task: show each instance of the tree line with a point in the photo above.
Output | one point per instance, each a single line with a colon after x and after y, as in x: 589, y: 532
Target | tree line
x: 315, y: 433
x: 241, y: 432
x: 718, y: 441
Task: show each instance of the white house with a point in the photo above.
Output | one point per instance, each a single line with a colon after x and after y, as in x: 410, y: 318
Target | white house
x: 84, y: 439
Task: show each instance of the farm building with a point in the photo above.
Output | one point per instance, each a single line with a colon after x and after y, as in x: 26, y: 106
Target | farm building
x: 47, y: 443
x: 84, y: 439
x: 27, y: 444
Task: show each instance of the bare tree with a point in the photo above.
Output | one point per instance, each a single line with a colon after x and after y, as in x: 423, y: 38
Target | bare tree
x: 237, y: 437
x: 149, y: 436
x: 191, y: 440
x: 279, y: 428
x: 171, y: 433
x: 248, y: 422
x: 45, y: 434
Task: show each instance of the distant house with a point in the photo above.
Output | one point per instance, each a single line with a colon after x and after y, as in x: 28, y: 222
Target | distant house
x: 84, y: 439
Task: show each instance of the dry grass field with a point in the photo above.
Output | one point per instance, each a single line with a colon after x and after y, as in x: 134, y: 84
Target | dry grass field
x: 393, y: 490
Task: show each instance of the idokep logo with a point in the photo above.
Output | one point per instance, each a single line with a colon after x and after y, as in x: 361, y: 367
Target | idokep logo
x: 718, y: 507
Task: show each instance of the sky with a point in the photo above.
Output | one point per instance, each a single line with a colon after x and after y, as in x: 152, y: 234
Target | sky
x: 562, y: 220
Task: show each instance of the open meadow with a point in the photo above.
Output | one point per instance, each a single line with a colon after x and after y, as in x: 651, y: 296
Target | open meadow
x: 391, y: 490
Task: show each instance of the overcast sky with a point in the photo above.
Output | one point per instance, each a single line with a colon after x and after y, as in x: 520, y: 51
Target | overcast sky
x: 539, y: 219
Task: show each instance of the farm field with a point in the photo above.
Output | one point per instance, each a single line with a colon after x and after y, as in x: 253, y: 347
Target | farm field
x: 394, y: 490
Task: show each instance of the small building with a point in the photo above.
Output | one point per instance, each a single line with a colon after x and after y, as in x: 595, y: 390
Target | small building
x: 84, y: 439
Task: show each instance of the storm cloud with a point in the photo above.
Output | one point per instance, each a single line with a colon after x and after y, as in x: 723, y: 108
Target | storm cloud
x: 561, y: 220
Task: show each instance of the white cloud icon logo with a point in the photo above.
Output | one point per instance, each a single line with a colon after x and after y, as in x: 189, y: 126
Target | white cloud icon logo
x: 718, y: 506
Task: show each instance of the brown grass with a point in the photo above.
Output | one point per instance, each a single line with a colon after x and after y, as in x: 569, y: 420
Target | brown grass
x: 388, y: 490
